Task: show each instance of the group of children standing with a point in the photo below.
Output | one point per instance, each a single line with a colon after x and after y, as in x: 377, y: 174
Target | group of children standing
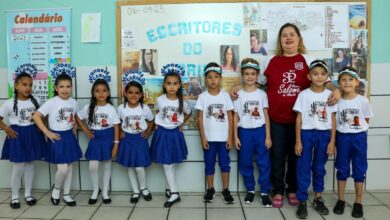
x: 223, y: 123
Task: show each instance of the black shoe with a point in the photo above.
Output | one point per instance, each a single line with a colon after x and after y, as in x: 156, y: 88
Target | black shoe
x: 302, y: 210
x: 30, y: 200
x: 320, y: 207
x: 167, y: 193
x: 15, y: 204
x: 148, y: 196
x: 357, y: 210
x: 134, y: 198
x: 227, y: 197
x: 93, y: 201
x: 168, y: 203
x: 107, y: 201
x: 267, y: 203
x: 339, y: 208
x: 69, y: 203
x: 209, y: 196
x: 53, y: 200
x: 249, y: 198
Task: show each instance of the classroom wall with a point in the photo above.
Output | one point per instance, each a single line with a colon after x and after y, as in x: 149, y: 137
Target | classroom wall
x: 190, y: 174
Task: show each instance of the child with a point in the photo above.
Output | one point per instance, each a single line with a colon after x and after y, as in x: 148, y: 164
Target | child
x: 63, y: 146
x: 252, y: 132
x: 137, y: 120
x: 24, y: 143
x: 315, y: 137
x: 215, y: 127
x: 168, y: 145
x: 103, y: 134
x: 354, y: 112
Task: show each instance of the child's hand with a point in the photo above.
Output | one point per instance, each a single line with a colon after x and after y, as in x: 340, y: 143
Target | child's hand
x: 53, y: 136
x: 10, y: 132
x: 145, y: 134
x: 330, y: 149
x: 237, y: 142
x: 114, y: 151
x: 298, y: 149
x: 268, y: 143
x: 205, y: 143
x: 90, y: 134
x: 229, y: 144
x: 122, y: 134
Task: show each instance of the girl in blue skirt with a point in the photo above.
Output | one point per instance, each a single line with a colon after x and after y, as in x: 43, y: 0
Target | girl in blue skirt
x: 24, y: 143
x: 103, y: 133
x: 168, y: 145
x: 137, y: 120
x: 64, y: 148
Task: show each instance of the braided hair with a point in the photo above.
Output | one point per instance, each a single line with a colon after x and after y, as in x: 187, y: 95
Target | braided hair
x: 92, y: 105
x: 179, y: 92
x: 139, y: 86
x: 62, y: 76
x: 33, y: 100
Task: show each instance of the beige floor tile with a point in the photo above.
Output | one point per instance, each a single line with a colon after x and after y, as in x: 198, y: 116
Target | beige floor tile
x: 41, y: 211
x: 114, y: 213
x: 157, y: 202
x: 149, y: 213
x: 383, y: 197
x: 82, y: 199
x: 262, y: 213
x: 225, y: 214
x: 376, y: 213
x: 7, y: 212
x: 289, y: 213
x: 187, y: 213
x: 78, y: 212
x: 190, y: 202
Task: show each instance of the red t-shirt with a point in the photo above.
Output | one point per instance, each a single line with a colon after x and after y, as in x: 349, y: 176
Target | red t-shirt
x: 286, y: 77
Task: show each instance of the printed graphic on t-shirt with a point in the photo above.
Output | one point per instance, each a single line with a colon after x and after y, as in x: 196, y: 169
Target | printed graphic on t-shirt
x: 25, y: 115
x: 288, y: 87
x: 65, y: 115
x: 133, y: 122
x: 100, y: 119
x: 351, y: 117
x: 318, y: 109
x: 170, y: 114
x: 251, y: 108
x: 216, y: 111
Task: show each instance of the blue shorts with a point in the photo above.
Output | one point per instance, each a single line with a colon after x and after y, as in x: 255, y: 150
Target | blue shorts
x: 210, y: 156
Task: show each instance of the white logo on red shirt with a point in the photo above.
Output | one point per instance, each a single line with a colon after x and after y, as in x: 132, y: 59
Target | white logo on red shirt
x: 298, y: 65
x: 291, y: 89
x: 289, y: 77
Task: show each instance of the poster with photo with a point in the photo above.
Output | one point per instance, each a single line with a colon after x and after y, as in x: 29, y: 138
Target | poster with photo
x: 149, y: 62
x: 257, y: 43
x: 341, y: 58
x: 230, y: 58
x: 130, y: 60
x: 359, y: 42
x: 357, y: 16
x: 251, y: 14
x: 39, y: 37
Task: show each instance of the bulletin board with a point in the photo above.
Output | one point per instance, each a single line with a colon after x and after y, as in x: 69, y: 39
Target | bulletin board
x: 151, y: 34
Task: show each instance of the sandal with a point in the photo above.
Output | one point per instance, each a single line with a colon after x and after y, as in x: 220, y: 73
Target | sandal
x: 292, y: 200
x: 277, y: 202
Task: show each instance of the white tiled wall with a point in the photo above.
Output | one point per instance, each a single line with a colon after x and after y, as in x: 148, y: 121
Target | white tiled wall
x: 190, y: 174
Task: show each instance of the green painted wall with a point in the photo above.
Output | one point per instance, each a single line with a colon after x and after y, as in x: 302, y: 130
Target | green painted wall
x: 104, y: 53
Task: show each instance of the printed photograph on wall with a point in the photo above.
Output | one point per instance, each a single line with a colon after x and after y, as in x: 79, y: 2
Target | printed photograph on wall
x: 130, y: 60
x: 149, y: 62
x: 341, y: 58
x: 229, y: 57
x: 256, y: 43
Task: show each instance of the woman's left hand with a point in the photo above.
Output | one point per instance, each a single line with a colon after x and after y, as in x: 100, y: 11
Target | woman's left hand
x: 334, y: 97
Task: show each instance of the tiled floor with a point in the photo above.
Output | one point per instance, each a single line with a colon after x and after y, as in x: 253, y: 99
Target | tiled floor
x: 376, y: 207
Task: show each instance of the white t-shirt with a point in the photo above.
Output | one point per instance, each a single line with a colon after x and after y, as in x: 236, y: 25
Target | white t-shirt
x: 134, y: 119
x: 61, y: 113
x: 168, y: 115
x: 25, y: 110
x: 316, y: 113
x: 352, y: 113
x: 249, y: 107
x: 215, y: 117
x: 103, y: 117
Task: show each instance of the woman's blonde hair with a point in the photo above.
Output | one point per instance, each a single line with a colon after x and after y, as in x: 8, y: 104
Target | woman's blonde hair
x: 301, y: 45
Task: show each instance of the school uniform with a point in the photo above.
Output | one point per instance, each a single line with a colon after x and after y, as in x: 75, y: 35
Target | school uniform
x: 216, y: 128
x: 104, y: 118
x: 168, y: 144
x: 251, y: 131
x: 315, y: 137
x: 30, y: 144
x: 351, y: 138
x: 61, y: 121
x: 134, y: 149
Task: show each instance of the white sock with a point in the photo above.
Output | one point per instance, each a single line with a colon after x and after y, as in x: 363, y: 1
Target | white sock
x: 62, y: 171
x: 142, y: 179
x: 133, y: 180
x: 106, y: 177
x: 68, y: 181
x: 28, y: 178
x: 170, y: 176
x: 94, y: 172
x: 17, y: 173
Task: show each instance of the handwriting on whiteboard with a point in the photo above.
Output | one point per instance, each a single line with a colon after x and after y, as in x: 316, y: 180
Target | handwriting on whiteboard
x: 149, y: 9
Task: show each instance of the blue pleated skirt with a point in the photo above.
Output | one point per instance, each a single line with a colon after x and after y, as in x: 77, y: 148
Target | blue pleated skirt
x: 100, y: 147
x: 65, y: 150
x: 133, y: 151
x: 168, y: 146
x: 30, y: 145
